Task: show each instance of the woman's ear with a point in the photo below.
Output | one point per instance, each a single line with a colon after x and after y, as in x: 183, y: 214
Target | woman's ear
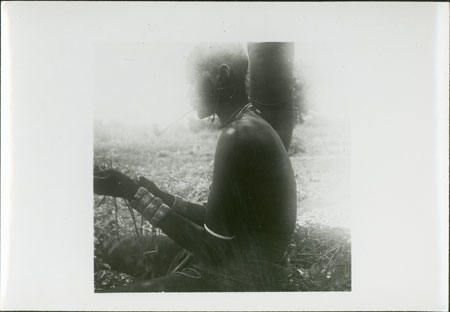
x: 224, y: 72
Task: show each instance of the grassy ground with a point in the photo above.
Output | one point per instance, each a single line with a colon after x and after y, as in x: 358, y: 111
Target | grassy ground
x: 180, y: 161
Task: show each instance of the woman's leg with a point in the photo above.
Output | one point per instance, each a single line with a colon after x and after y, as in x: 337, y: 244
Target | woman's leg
x: 147, y: 255
x: 173, y: 282
x: 167, y: 268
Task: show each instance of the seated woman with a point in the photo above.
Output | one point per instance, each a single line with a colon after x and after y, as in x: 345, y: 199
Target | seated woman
x: 236, y: 241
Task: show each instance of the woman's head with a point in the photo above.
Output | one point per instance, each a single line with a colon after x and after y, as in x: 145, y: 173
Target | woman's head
x: 217, y: 74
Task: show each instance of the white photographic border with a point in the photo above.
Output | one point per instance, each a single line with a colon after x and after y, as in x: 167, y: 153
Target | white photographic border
x: 399, y: 139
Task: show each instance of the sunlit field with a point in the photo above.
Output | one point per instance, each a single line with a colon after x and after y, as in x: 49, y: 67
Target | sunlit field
x: 180, y: 161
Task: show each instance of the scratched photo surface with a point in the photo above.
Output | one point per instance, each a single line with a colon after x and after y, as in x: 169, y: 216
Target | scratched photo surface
x: 276, y: 207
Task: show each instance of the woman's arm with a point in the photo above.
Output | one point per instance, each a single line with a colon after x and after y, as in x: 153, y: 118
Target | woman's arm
x: 193, y: 212
x: 213, y: 238
x: 183, y: 231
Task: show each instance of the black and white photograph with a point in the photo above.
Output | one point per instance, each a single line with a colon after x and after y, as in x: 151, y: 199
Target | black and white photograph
x: 224, y: 156
x: 250, y: 193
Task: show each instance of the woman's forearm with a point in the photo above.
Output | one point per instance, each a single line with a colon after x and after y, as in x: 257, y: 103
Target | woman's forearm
x: 192, y: 211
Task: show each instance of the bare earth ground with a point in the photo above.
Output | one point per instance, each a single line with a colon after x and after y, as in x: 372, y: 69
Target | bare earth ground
x: 180, y: 161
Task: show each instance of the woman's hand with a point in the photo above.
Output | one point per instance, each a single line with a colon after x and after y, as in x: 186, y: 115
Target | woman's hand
x: 114, y: 183
x: 149, y: 185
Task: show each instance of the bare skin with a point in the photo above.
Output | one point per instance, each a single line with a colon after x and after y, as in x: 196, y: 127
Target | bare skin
x: 251, y: 209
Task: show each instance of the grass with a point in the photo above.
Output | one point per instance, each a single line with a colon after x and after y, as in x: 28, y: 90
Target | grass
x: 320, y: 259
x: 180, y: 161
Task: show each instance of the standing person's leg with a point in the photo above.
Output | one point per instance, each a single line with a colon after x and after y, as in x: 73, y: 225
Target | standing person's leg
x: 271, y: 83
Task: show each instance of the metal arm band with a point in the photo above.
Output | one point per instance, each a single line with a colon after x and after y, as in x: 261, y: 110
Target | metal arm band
x: 160, y: 213
x: 151, y: 207
x: 180, y: 205
x: 141, y: 199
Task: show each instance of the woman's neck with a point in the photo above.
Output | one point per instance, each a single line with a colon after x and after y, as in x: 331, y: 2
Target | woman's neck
x: 229, y: 105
